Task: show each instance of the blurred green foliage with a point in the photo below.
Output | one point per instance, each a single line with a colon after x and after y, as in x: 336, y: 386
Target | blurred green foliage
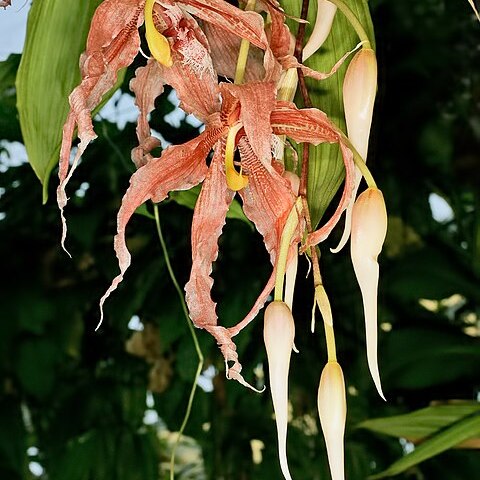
x: 76, y: 403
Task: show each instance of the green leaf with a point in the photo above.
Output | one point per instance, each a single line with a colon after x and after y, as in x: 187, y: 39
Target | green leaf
x: 422, y: 423
x: 430, y: 273
x: 48, y: 72
x: 188, y: 198
x: 424, y: 357
x: 326, y: 171
x: 36, y: 366
x: 458, y: 432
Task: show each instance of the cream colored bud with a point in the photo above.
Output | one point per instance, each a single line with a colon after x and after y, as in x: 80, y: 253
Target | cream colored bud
x: 278, y: 334
x: 369, y: 228
x: 359, y: 90
x: 332, y: 410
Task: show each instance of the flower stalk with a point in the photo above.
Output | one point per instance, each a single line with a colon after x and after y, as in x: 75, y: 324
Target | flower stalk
x: 243, y: 52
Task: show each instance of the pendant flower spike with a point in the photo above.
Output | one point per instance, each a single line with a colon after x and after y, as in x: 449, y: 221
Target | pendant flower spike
x: 249, y: 119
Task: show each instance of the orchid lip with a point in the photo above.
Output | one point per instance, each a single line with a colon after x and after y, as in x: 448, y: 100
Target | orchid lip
x: 157, y: 43
x: 235, y: 180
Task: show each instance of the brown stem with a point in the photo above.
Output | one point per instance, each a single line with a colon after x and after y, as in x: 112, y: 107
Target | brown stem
x: 317, y: 277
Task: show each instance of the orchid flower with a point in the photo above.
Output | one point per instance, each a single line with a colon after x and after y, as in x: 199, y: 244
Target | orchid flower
x: 236, y: 117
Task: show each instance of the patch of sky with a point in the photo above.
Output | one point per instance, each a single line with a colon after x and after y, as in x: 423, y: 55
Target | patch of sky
x: 135, y: 324
x: 441, y: 211
x: 12, y: 154
x: 13, y: 25
x: 205, y: 380
x: 35, y: 469
x: 82, y: 190
x: 176, y: 116
x: 120, y: 109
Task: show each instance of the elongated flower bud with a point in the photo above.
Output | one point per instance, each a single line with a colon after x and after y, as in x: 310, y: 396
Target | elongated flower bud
x: 332, y: 410
x: 359, y: 90
x: 323, y: 24
x: 278, y: 334
x: 369, y: 227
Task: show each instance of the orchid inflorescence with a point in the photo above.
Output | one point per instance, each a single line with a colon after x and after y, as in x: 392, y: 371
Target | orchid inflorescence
x: 192, y: 43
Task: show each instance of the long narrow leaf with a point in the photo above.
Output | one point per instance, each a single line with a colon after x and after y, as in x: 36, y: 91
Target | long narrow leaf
x: 422, y: 423
x: 56, y: 35
x: 460, y: 431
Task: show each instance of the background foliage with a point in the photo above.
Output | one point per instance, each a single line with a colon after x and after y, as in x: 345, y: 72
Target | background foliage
x: 79, y: 404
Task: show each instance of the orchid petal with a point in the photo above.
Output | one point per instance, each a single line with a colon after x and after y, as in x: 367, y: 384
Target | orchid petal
x: 257, y: 100
x: 179, y: 168
x: 224, y: 47
x: 247, y: 25
x: 147, y: 86
x: 192, y: 74
x: 112, y: 44
x: 313, y: 126
x: 267, y: 200
x: 208, y: 221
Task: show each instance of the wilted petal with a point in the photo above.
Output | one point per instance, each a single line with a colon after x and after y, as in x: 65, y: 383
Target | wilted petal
x: 179, y: 168
x: 224, y: 48
x: 208, y: 221
x: 112, y: 44
x: 192, y: 74
x: 247, y: 25
x: 147, y: 85
x: 313, y: 126
x: 257, y: 100
x: 267, y: 199
x: 267, y: 202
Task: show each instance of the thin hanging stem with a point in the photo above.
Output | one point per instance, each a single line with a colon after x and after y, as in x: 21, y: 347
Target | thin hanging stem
x: 354, y: 22
x: 243, y: 52
x: 360, y: 163
x: 194, y: 338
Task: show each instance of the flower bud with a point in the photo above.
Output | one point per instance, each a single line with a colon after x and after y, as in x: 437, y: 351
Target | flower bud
x: 323, y: 24
x: 369, y: 228
x: 278, y: 334
x: 332, y: 410
x: 359, y: 90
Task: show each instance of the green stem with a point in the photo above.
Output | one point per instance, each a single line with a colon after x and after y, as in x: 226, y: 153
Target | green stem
x: 288, y: 231
x: 194, y: 338
x: 360, y: 163
x: 330, y: 339
x: 243, y: 52
x: 354, y: 22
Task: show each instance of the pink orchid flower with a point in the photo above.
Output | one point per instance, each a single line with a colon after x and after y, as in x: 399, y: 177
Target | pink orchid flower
x: 236, y: 117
